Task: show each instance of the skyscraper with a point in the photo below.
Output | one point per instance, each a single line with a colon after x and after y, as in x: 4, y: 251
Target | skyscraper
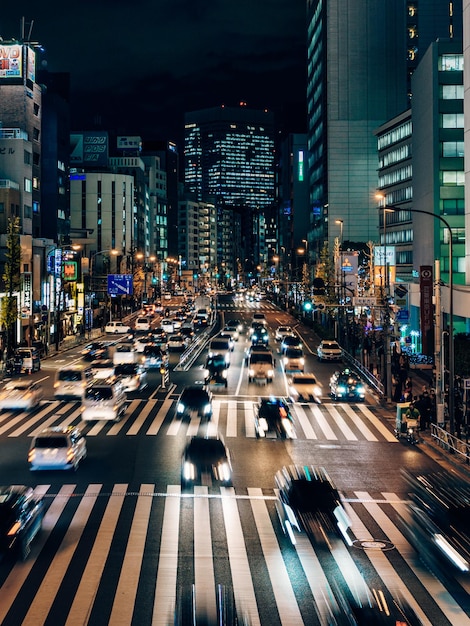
x: 361, y: 56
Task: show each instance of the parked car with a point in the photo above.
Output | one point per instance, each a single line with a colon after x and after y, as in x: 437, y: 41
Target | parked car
x: 21, y: 395
x: 194, y: 400
x: 304, y: 388
x: 273, y: 418
x: 31, y: 361
x: 346, y: 386
x: 57, y: 448
x: 206, y: 455
x: 21, y: 516
x: 117, y: 328
x: 329, y: 351
x: 132, y: 375
x: 293, y: 360
x: 309, y: 502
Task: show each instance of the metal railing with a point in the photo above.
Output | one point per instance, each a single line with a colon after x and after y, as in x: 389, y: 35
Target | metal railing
x: 365, y: 373
x: 451, y: 443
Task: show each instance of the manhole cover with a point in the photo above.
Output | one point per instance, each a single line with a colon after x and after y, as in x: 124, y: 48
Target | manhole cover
x: 372, y: 544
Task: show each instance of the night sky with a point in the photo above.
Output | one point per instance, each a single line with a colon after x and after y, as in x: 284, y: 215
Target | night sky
x: 138, y: 66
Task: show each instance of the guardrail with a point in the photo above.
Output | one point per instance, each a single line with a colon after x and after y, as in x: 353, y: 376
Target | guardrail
x: 365, y: 373
x: 451, y: 443
x: 194, y: 350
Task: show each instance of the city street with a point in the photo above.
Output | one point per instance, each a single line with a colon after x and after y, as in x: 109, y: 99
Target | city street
x: 122, y: 543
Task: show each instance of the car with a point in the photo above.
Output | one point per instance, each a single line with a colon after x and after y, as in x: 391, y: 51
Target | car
x: 290, y: 341
x: 232, y: 331
x: 261, y: 367
x: 71, y: 380
x: 167, y: 325
x: 132, y: 375
x: 293, y: 360
x: 117, y: 328
x: 258, y: 347
x: 154, y: 357
x: 188, y: 334
x: 102, y: 368
x: 141, y: 342
x: 273, y: 418
x: 221, y: 345
x: 95, y: 350
x: 346, y: 386
x: 215, y: 370
x: 206, y: 456
x: 57, y: 448
x: 125, y: 352
x: 176, y: 342
x: 21, y: 516
x: 30, y: 359
x: 142, y: 324
x: 304, y: 388
x: 194, y: 400
x: 436, y: 521
x: 21, y: 395
x: 282, y: 331
x: 329, y: 351
x: 236, y: 324
x: 104, y: 400
x: 160, y: 338
x: 259, y: 335
x: 259, y: 318
x: 228, y: 336
x: 309, y: 502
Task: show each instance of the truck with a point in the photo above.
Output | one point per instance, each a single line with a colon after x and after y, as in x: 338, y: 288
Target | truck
x: 202, y: 302
x: 261, y: 367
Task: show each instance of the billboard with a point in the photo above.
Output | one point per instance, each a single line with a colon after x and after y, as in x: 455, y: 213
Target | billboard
x: 31, y: 65
x: 89, y: 148
x: 11, y: 60
x: 129, y: 143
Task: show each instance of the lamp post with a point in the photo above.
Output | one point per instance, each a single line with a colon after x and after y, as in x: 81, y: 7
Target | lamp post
x: 451, y: 401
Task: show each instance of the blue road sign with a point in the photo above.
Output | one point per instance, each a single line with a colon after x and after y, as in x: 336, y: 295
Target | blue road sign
x: 120, y: 284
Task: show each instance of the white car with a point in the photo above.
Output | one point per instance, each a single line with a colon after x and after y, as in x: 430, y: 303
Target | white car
x: 232, y: 331
x: 304, y: 388
x: 132, y: 375
x: 57, y: 448
x: 176, y: 342
x: 141, y: 342
x: 20, y: 395
x: 167, y: 326
x: 142, y: 324
x: 125, y: 353
x: 293, y: 360
x: 102, y: 368
x: 117, y: 328
x: 282, y: 331
x: 329, y: 351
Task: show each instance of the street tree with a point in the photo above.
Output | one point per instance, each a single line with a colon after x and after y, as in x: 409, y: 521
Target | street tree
x: 12, y: 283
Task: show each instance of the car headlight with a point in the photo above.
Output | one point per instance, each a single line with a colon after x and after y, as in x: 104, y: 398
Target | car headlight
x: 251, y: 372
x: 341, y: 389
x: 287, y: 425
x: 255, y: 337
x: 224, y: 373
x: 223, y: 471
x: 317, y: 391
x: 263, y: 424
x: 206, y: 373
x: 227, y: 358
x: 189, y: 471
x: 302, y: 361
x: 180, y: 407
x: 360, y: 389
x: 285, y: 360
x: 270, y: 373
x: 207, y: 409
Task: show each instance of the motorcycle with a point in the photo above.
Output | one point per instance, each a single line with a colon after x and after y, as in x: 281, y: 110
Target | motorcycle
x: 406, y: 428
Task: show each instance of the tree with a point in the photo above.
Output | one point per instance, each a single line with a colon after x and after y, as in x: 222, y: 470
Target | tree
x: 12, y: 282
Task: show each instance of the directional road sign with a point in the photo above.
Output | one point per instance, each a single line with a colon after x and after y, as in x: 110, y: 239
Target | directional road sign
x: 120, y: 284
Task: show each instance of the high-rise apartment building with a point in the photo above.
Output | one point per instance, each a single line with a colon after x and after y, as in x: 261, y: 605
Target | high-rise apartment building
x: 361, y: 56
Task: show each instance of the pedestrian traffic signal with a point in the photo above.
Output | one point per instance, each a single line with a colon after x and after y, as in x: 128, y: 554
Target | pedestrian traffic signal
x: 308, y: 305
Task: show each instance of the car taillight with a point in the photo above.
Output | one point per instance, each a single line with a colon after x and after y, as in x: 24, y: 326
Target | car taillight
x: 14, y: 529
x: 70, y: 455
x: 31, y: 456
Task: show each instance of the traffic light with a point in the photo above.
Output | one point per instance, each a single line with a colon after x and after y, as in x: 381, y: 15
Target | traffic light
x: 154, y: 280
x: 308, y: 305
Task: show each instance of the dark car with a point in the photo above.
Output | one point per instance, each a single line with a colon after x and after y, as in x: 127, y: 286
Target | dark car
x: 206, y: 457
x: 346, y: 386
x: 437, y: 520
x: 259, y: 335
x: 216, y: 370
x: 290, y: 341
x: 21, y: 515
x: 194, y: 400
x: 154, y: 357
x: 309, y: 502
x: 274, y: 419
x: 95, y: 350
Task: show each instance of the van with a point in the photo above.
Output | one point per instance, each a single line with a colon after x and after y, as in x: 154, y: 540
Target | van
x: 71, y: 381
x: 221, y: 345
x: 104, y: 400
x: 31, y: 360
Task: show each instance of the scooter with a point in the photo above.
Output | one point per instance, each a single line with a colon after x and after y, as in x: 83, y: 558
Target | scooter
x: 412, y: 433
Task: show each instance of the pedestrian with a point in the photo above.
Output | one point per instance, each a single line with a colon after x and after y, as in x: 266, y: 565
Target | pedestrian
x: 412, y: 413
x: 425, y: 410
x: 408, y: 390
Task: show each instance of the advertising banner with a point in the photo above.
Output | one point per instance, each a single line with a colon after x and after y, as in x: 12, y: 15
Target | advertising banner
x: 426, y: 307
x: 11, y: 60
x: 26, y: 295
x: 89, y: 148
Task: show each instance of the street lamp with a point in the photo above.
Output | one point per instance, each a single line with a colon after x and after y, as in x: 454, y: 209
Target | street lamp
x: 451, y: 402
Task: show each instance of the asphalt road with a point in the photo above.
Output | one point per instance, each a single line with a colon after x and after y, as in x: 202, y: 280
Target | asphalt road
x: 122, y: 545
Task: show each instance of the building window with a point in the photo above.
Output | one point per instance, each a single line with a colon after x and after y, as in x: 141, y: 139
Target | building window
x: 36, y: 134
x: 452, y: 92
x: 28, y: 185
x: 452, y: 148
x: 452, y: 120
x: 28, y: 211
x: 450, y: 62
x: 27, y: 157
x: 453, y: 178
x: 36, y: 109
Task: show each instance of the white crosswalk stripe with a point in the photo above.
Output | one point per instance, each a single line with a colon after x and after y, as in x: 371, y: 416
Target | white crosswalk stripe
x: 232, y: 418
x: 128, y: 519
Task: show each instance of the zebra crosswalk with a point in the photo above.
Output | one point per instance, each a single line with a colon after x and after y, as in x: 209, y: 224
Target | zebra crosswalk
x: 119, y: 555
x: 231, y: 418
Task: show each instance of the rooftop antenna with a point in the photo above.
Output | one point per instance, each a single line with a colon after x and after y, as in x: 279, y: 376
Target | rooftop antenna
x: 23, y: 24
